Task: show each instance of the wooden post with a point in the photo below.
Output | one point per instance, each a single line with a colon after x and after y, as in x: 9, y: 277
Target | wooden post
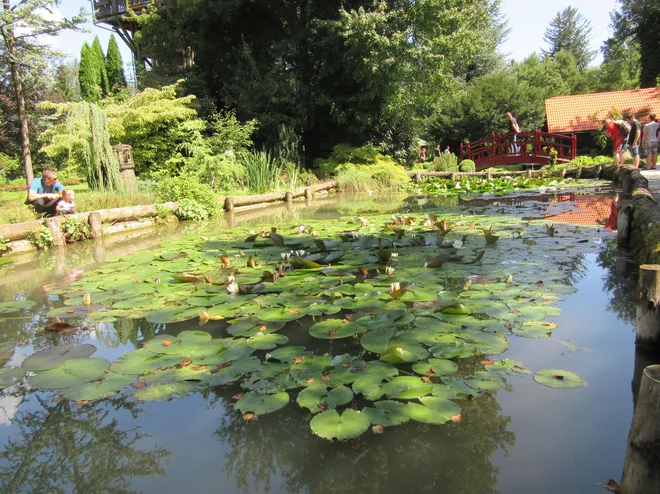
x: 308, y: 193
x: 453, y: 177
x: 418, y: 176
x: 95, y: 224
x: 229, y: 204
x: 624, y: 224
x: 647, y: 327
x: 53, y: 225
x: 641, y: 474
x: 288, y: 196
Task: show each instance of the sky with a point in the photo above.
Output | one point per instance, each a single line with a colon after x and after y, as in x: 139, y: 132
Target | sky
x: 527, y: 21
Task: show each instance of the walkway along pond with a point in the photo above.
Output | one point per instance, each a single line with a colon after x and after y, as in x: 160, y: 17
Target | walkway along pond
x: 463, y: 346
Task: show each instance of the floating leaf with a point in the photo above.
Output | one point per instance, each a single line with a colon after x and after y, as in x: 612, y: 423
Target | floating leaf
x: 348, y: 425
x: 317, y: 397
x: 388, y: 413
x: 75, y: 371
x: 334, y: 329
x: 10, y: 376
x: 260, y: 404
x: 56, y: 356
x: 556, y: 378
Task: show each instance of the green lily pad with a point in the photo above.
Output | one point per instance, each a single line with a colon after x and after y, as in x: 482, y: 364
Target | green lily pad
x: 348, y: 425
x: 161, y: 392
x: 184, y: 343
x: 56, y: 356
x: 110, y: 384
x: 10, y: 376
x: 288, y: 353
x: 556, y: 378
x: 15, y: 306
x: 224, y: 350
x: 388, y: 413
x: 445, y: 407
x: 334, y: 329
x: 266, y: 341
x: 7, y: 347
x: 75, y: 371
x: 139, y: 362
x: 317, y: 397
x: 435, y: 366
x: 407, y: 388
x: 426, y: 414
x: 261, y: 404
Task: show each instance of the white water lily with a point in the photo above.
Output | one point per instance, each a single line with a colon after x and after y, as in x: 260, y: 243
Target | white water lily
x: 285, y: 256
x: 394, y: 254
x: 394, y: 288
x: 458, y: 244
x: 299, y: 253
x: 389, y: 271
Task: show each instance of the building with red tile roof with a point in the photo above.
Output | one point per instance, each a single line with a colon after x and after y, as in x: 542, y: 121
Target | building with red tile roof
x: 586, y: 112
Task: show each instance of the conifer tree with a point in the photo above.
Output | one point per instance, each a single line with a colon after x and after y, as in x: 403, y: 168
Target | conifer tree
x: 114, y: 66
x: 88, y: 75
x: 99, y: 61
x: 570, y: 31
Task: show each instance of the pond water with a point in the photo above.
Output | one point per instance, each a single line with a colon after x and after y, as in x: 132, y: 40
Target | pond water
x: 523, y: 437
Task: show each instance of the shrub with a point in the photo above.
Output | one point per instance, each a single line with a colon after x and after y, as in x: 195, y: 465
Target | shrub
x: 263, y: 170
x: 5, y: 246
x: 355, y: 179
x: 189, y: 210
x: 467, y: 166
x: 75, y: 230
x: 589, y: 161
x: 446, y: 163
x: 342, y: 155
x: 42, y: 239
x: 180, y: 188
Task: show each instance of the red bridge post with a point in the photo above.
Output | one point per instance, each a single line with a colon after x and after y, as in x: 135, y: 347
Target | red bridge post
x: 573, y: 146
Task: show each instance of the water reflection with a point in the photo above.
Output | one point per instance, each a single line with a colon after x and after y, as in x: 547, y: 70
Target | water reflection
x: 448, y: 458
x: 60, y: 447
x: 619, y: 280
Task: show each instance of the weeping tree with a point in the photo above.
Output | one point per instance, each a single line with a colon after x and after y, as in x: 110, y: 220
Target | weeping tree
x: 81, y: 140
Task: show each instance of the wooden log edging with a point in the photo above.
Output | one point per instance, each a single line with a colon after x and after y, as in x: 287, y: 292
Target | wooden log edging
x: 607, y: 172
x: 641, y: 216
x: 230, y: 203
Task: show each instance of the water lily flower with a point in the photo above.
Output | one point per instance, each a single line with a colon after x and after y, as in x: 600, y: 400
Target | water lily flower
x: 285, y: 256
x: 394, y: 254
x: 395, y: 288
x: 389, y: 271
x: 458, y: 244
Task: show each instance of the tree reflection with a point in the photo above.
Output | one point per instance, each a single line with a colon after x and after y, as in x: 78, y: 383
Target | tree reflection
x: 619, y: 281
x: 449, y: 458
x: 63, y: 448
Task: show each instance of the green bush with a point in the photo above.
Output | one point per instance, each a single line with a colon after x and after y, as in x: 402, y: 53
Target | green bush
x: 189, y: 210
x: 75, y: 230
x: 355, y: 179
x: 343, y: 155
x: 467, y: 166
x: 5, y: 246
x: 590, y: 161
x: 180, y: 188
x: 42, y: 238
x: 446, y: 163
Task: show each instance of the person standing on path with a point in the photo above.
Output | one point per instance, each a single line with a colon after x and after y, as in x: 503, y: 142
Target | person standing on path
x: 650, y: 142
x: 635, y: 138
x: 619, y: 138
x: 515, y: 129
x: 44, y: 193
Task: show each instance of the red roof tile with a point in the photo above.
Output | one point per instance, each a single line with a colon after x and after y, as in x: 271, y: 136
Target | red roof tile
x: 582, y: 112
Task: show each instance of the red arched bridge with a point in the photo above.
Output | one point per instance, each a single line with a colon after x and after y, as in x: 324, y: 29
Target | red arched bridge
x: 532, y: 147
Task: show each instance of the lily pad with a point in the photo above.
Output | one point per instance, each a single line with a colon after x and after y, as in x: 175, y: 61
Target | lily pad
x: 348, y: 425
x: 266, y: 341
x: 334, y: 329
x: 317, y: 397
x: 260, y: 404
x: 73, y: 372
x: 56, y: 356
x: 388, y: 413
x: 556, y: 378
x: 160, y: 392
x: 110, y: 384
x: 184, y: 343
x: 10, y: 376
x: 435, y: 366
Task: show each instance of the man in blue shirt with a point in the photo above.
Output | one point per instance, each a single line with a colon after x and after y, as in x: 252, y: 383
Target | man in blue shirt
x: 44, y: 193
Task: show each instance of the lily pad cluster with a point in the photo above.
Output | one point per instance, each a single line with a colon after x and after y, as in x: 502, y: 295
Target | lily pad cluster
x: 364, y: 323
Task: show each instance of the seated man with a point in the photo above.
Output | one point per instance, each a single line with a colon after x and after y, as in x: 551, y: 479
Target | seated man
x: 44, y: 193
x: 66, y: 205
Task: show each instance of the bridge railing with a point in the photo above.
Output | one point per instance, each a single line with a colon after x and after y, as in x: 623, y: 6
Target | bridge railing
x: 534, y: 147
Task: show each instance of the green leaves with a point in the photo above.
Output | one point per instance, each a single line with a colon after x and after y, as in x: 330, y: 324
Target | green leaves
x: 332, y: 425
x: 259, y: 404
x: 556, y: 378
x: 53, y: 357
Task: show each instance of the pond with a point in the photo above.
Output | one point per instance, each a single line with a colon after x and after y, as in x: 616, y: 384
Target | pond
x: 496, y: 331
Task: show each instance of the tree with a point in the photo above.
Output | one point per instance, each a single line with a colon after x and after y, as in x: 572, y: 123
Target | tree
x: 639, y: 20
x: 114, y: 66
x: 351, y: 71
x: 89, y: 77
x: 100, y: 63
x: 621, y: 57
x: 570, y: 31
x: 22, y: 52
x: 65, y: 82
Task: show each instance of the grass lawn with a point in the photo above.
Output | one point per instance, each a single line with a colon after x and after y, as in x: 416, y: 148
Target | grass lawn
x: 14, y: 210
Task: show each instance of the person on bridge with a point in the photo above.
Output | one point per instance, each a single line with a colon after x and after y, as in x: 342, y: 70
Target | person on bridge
x: 650, y: 142
x: 515, y: 130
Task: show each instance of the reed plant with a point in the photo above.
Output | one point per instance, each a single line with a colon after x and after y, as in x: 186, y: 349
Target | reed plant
x: 263, y: 171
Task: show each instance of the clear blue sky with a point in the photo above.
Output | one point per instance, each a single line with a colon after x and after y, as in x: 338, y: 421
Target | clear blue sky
x: 528, y: 20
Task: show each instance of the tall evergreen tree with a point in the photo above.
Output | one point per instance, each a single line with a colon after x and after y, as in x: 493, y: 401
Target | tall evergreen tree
x: 89, y: 76
x: 99, y: 61
x: 22, y: 52
x: 570, y: 31
x: 114, y: 66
